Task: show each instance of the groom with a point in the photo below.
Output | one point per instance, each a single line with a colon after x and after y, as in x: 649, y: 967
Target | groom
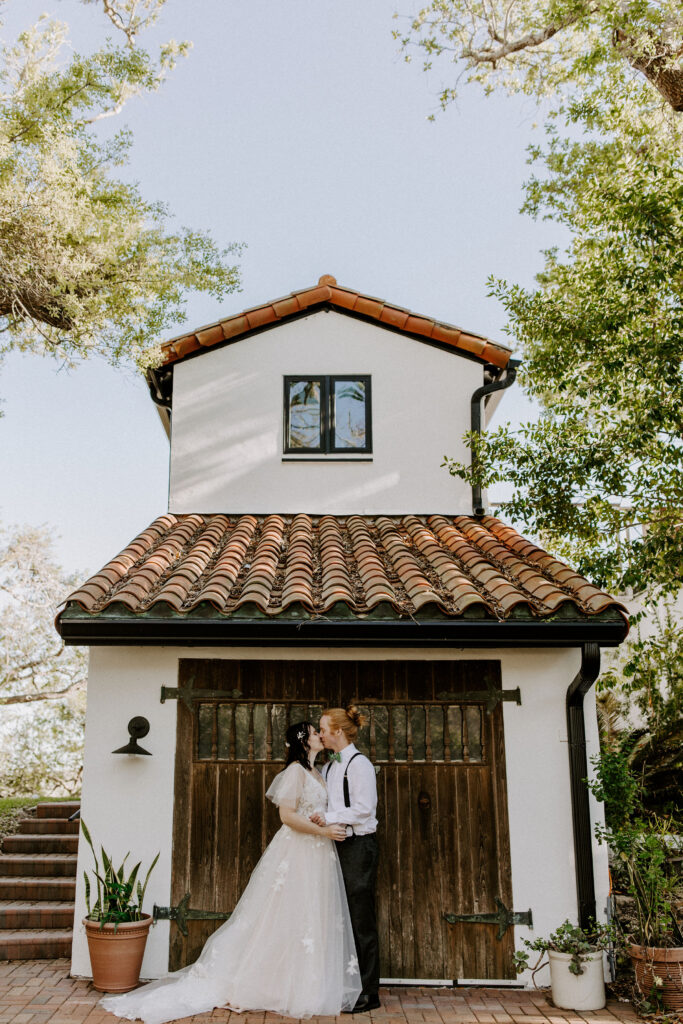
x: 352, y: 801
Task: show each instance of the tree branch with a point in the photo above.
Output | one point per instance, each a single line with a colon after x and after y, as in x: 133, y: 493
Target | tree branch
x: 30, y: 698
x: 491, y: 55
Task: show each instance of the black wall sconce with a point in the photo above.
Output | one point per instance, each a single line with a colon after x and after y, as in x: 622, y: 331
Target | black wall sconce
x: 137, y: 728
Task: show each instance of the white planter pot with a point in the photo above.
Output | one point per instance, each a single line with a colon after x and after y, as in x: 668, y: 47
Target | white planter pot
x: 577, y: 991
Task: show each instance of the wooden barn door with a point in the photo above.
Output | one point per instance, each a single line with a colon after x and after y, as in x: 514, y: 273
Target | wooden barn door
x: 436, y: 736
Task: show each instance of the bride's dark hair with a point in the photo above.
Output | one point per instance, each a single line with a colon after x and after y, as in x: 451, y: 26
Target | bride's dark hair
x: 296, y: 744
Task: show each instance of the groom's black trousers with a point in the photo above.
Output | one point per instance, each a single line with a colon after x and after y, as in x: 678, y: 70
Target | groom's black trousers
x: 358, y: 859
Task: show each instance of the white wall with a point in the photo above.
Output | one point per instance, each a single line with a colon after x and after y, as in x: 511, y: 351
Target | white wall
x: 127, y: 802
x: 227, y: 444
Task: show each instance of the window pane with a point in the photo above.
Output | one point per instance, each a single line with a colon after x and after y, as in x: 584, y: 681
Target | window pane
x: 304, y: 414
x: 225, y: 713
x: 349, y: 413
x: 205, y: 737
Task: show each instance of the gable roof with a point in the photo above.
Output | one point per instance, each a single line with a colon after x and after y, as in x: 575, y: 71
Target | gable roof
x: 466, y: 577
x: 345, y: 300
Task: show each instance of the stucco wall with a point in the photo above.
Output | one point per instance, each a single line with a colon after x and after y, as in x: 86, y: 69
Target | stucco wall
x: 127, y: 802
x: 226, y: 447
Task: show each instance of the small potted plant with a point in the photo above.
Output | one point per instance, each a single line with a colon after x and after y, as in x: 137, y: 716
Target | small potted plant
x: 576, y: 964
x: 115, y: 926
x: 655, y: 944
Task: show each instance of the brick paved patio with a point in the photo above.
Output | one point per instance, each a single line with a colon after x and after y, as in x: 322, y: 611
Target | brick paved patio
x: 36, y: 991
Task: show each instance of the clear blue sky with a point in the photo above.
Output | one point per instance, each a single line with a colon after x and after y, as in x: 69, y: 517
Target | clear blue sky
x: 295, y: 127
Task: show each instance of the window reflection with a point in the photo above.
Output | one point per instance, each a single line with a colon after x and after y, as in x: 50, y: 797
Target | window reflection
x: 349, y: 413
x: 304, y: 414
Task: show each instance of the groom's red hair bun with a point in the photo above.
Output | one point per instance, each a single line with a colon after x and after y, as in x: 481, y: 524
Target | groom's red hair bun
x: 356, y: 716
x: 349, y: 719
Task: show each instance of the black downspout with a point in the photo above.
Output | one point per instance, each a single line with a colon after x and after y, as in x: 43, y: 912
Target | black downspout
x: 578, y: 773
x: 475, y: 405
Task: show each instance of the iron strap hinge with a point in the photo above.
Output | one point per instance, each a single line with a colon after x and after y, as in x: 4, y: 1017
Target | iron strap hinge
x: 186, y: 694
x: 493, y: 695
x: 184, y: 913
x: 503, y: 918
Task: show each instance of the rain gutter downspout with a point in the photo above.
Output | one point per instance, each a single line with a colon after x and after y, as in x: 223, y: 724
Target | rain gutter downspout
x: 578, y: 773
x: 476, y: 418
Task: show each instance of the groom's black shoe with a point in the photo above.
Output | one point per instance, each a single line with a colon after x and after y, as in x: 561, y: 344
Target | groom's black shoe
x: 364, y: 1004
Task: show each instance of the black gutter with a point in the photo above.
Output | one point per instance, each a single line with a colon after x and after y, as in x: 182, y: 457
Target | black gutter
x: 160, y: 384
x: 110, y: 630
x: 578, y: 773
x: 479, y: 395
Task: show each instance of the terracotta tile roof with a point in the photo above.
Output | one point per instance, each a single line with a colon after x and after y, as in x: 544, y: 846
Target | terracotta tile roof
x: 328, y: 291
x: 360, y: 565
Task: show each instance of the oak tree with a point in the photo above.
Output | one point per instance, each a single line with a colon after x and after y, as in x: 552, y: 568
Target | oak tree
x: 89, y: 264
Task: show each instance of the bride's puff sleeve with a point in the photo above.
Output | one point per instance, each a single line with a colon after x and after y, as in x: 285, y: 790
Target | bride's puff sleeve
x: 286, y: 788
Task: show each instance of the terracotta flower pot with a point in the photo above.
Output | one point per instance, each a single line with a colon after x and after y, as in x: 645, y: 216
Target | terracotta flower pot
x: 662, y: 970
x: 116, y: 955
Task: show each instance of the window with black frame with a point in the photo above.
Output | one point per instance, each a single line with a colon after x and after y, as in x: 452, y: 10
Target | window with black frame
x: 327, y: 414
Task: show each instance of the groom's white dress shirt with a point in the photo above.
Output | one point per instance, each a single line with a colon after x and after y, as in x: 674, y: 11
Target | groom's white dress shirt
x: 361, y: 816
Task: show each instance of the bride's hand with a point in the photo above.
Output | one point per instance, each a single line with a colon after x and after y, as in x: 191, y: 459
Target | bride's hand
x: 336, y: 832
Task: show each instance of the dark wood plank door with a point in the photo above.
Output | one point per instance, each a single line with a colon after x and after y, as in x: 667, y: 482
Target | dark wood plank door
x: 442, y: 810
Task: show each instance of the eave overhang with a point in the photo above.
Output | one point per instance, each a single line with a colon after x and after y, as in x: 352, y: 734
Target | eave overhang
x: 189, y: 631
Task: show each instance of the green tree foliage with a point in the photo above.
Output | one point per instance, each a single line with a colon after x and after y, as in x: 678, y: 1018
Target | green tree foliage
x: 88, y: 264
x: 645, y: 682
x: 541, y: 46
x: 600, y: 474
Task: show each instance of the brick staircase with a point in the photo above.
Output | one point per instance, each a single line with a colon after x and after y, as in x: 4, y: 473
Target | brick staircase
x: 38, y: 885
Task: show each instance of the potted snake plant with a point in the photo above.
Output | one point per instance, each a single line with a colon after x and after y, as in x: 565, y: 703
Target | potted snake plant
x: 115, y: 925
x: 575, y: 956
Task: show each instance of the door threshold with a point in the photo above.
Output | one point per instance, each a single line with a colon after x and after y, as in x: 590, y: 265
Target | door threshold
x: 452, y: 983
x: 419, y: 982
x: 488, y: 983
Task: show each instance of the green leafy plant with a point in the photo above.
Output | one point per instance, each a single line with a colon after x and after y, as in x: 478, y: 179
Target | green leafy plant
x: 616, y: 785
x: 644, y: 850
x: 115, y: 903
x: 568, y: 938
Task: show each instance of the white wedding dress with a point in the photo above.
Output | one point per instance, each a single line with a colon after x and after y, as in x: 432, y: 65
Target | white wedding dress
x: 287, y: 947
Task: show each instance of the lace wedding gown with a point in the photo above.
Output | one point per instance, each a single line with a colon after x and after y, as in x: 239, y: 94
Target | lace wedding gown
x: 287, y: 947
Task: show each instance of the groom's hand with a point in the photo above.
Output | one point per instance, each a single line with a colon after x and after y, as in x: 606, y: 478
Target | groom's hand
x: 318, y: 819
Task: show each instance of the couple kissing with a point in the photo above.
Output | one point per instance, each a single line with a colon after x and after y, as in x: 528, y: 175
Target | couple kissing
x: 302, y: 939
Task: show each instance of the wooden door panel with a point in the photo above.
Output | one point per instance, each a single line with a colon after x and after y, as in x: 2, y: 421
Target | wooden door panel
x: 442, y: 802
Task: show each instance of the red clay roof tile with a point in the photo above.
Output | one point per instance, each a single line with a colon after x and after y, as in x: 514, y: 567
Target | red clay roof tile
x: 328, y: 291
x: 273, y: 563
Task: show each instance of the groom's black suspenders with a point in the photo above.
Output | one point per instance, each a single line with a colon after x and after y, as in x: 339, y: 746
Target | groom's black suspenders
x: 347, y: 798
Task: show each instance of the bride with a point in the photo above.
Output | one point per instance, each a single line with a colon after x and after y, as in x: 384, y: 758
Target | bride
x: 288, y: 945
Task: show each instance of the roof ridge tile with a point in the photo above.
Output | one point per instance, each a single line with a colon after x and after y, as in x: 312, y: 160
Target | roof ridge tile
x: 328, y: 291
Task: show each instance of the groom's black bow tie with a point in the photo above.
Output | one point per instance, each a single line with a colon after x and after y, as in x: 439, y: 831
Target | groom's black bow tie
x: 333, y: 756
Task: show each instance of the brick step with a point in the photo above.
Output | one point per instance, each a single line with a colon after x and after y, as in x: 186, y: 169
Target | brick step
x: 33, y: 888
x: 38, y: 864
x: 48, y: 826
x: 32, y: 843
x: 34, y: 944
x: 21, y: 914
x: 58, y: 810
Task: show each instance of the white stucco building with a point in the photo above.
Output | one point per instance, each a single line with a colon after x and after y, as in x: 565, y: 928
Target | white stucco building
x: 314, y: 553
